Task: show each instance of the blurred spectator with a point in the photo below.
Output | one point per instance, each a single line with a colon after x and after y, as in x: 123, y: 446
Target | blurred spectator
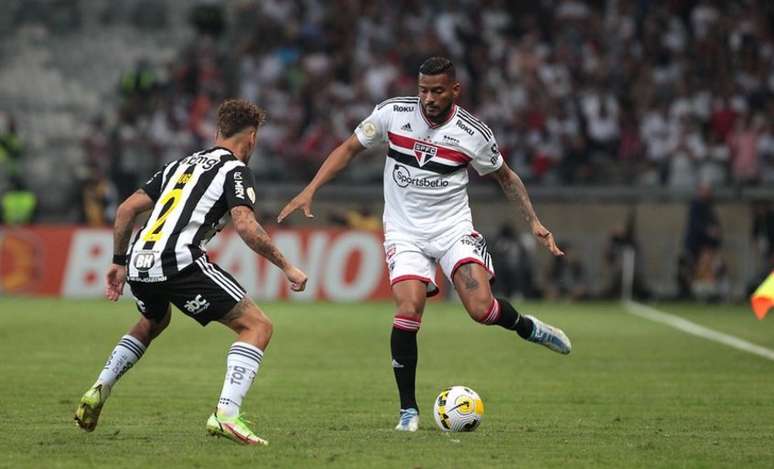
x: 710, y: 276
x: 513, y: 265
x: 566, y: 277
x: 623, y: 239
x: 18, y: 205
x: 743, y: 141
x: 763, y: 228
x: 11, y: 148
x: 98, y: 200
x: 703, y: 227
x: 702, y: 274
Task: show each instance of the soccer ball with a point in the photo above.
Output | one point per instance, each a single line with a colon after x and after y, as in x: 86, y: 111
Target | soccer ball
x: 458, y: 409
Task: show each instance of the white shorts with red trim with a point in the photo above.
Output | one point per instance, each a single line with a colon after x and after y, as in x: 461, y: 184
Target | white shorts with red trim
x: 412, y: 259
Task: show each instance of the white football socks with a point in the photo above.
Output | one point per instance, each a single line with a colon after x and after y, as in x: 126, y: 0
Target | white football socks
x: 124, y: 356
x: 242, y: 365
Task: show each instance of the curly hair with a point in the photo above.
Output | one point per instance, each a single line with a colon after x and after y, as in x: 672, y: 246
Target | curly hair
x: 235, y: 115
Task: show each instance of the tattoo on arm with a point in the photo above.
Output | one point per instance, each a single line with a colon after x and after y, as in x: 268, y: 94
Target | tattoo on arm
x: 125, y: 215
x: 122, y: 231
x: 255, y: 236
x: 466, y: 273
x: 514, y: 190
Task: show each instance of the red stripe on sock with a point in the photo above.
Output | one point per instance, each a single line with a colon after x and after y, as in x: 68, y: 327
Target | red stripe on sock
x: 493, y: 314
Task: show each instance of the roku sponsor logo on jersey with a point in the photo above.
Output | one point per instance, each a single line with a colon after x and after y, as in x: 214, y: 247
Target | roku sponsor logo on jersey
x: 402, y: 177
x: 397, y: 108
x: 206, y: 163
x: 464, y: 127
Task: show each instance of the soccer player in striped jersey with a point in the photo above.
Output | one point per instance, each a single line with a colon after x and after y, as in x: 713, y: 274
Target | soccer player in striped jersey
x: 190, y: 200
x: 427, y: 221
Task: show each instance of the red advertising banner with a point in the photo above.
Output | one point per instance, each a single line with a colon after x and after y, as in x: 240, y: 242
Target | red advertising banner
x: 342, y: 265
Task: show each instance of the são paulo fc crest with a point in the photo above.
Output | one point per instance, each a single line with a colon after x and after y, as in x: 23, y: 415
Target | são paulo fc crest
x: 424, y: 152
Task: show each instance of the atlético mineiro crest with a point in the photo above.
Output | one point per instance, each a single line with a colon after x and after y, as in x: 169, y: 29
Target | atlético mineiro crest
x: 424, y: 152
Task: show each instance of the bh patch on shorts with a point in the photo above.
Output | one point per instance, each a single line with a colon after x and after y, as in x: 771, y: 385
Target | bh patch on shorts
x: 202, y: 291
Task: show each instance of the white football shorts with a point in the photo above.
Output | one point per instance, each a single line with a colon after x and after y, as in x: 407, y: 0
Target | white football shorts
x: 409, y: 258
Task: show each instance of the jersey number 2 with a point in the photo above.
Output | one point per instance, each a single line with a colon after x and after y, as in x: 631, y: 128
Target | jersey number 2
x: 168, y: 203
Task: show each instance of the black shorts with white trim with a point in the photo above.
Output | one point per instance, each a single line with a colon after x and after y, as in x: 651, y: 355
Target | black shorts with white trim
x: 202, y: 291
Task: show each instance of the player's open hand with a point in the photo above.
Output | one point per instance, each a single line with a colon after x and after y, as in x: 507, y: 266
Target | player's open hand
x: 296, y: 277
x: 546, y: 238
x: 116, y: 278
x: 302, y: 201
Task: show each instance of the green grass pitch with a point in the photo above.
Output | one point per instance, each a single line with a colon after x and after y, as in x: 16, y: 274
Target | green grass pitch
x: 632, y: 394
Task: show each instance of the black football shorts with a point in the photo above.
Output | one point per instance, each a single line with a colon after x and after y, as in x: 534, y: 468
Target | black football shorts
x: 202, y: 291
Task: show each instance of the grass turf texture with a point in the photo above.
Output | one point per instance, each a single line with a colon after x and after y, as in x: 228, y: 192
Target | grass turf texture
x: 632, y: 394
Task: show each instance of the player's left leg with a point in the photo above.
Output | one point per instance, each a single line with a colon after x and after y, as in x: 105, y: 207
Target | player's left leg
x: 471, y: 280
x: 466, y: 262
x: 244, y: 358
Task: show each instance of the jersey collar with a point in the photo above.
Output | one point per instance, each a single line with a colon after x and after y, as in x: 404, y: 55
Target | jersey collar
x: 432, y: 124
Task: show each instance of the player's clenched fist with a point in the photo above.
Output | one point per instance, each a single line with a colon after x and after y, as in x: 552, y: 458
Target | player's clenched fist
x: 296, y: 277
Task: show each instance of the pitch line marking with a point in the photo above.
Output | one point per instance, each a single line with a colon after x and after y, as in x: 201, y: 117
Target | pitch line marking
x: 647, y: 312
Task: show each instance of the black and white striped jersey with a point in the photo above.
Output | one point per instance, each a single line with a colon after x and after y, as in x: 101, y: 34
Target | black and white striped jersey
x: 192, y: 196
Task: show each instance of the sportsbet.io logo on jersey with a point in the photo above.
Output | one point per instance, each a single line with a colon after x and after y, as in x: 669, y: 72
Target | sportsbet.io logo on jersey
x: 402, y: 177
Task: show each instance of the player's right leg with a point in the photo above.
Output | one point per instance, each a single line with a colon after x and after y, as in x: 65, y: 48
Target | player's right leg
x: 244, y: 359
x: 127, y: 352
x: 411, y: 278
x: 409, y: 296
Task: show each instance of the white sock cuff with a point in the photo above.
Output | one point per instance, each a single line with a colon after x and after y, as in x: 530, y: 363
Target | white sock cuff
x: 242, y: 350
x: 133, y: 345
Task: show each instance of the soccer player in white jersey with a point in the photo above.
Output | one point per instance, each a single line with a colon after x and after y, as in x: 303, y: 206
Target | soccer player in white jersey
x: 427, y: 221
x: 190, y: 200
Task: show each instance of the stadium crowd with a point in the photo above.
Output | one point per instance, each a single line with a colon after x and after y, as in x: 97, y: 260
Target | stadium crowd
x: 618, y: 92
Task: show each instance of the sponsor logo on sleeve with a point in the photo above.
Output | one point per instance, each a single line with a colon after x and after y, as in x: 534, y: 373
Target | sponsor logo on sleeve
x: 239, y: 187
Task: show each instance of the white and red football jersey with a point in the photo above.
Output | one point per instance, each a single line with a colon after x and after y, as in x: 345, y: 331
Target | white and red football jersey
x: 425, y: 173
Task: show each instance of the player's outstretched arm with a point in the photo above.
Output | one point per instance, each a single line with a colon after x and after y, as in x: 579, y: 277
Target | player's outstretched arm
x: 253, y: 234
x: 514, y: 190
x: 126, y: 213
x: 338, y: 159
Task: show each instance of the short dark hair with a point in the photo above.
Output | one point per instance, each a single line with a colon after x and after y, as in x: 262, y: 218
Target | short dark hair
x: 438, y: 66
x: 235, y: 115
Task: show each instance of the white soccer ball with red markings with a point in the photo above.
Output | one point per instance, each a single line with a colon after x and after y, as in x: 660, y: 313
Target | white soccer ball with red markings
x: 458, y: 409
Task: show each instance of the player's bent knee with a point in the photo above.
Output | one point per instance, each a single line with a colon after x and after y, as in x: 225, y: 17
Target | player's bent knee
x: 254, y: 319
x: 482, y: 311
